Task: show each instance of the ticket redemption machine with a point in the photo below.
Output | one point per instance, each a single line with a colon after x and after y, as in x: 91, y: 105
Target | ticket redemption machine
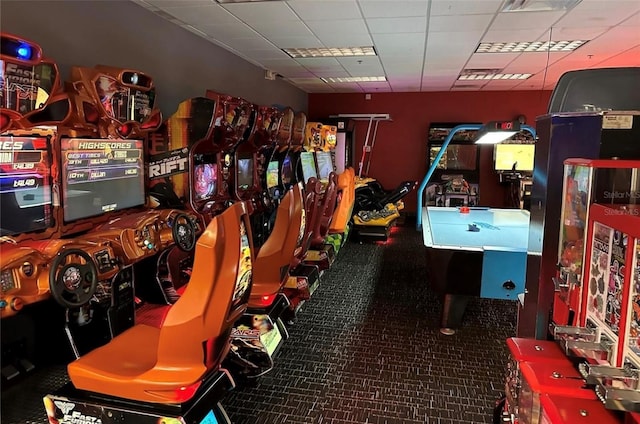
x: 593, y: 361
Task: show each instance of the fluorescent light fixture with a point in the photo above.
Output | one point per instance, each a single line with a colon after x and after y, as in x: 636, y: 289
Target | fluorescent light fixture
x: 243, y: 1
x: 331, y: 52
x: 476, y: 77
x: 355, y: 79
x: 496, y: 131
x: 530, y: 46
x: 538, y: 5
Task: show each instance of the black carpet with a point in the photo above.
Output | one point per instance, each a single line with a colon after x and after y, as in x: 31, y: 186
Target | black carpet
x: 367, y: 349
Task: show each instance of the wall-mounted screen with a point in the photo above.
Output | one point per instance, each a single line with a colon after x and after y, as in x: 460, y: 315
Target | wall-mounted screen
x: 308, y: 165
x: 100, y: 176
x: 272, y: 174
x: 244, y: 173
x: 461, y: 157
x: 518, y: 157
x: 325, y: 165
x: 25, y: 189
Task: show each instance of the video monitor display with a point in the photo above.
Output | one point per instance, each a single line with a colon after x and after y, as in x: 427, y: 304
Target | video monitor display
x: 244, y: 173
x: 518, y: 157
x: 462, y: 157
x: 325, y: 165
x: 287, y: 170
x: 26, y: 87
x: 124, y: 103
x: 308, y: 165
x: 206, y: 178
x: 272, y: 174
x: 101, y: 175
x: 25, y: 188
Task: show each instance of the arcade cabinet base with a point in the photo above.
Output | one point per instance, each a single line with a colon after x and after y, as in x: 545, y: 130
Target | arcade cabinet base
x: 322, y: 257
x: 372, y: 233
x: 70, y: 405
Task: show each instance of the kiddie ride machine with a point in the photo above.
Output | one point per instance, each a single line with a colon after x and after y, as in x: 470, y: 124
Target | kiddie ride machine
x: 88, y: 249
x: 590, y: 373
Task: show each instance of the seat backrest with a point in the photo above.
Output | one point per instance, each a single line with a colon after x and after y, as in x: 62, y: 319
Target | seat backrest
x: 198, y: 325
x: 311, y: 200
x: 327, y: 207
x: 275, y: 254
x: 346, y: 199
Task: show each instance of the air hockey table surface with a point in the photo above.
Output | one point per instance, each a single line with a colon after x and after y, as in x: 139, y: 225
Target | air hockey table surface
x: 497, y: 229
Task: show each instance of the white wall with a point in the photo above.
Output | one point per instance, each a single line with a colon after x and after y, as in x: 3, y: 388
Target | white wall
x: 123, y: 34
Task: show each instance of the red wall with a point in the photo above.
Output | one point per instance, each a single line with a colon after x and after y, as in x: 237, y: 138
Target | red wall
x: 400, y: 151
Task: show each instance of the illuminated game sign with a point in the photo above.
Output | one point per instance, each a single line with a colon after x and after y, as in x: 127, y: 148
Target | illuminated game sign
x: 25, y: 88
x: 24, y: 185
x: 101, y: 175
x: 124, y: 103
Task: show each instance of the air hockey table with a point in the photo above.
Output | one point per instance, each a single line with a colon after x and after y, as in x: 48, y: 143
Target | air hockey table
x: 475, y: 251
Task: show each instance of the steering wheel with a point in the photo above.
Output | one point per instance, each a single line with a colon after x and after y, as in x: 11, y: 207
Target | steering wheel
x: 73, y: 284
x: 184, y: 232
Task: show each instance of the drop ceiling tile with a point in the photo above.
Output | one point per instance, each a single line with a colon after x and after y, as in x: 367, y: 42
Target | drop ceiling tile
x: 202, y: 14
x: 400, y: 44
x: 464, y: 7
x: 327, y: 62
x: 256, y: 12
x: 525, y: 20
x: 275, y: 29
x: 254, y: 43
x: 288, y: 42
x: 333, y: 10
x: 353, y: 26
x: 458, y: 23
x: 266, y: 54
x: 491, y: 60
x: 397, y: 8
x: 604, y: 16
x: 328, y: 73
x: 179, y: 3
x: 391, y: 25
x: 227, y: 31
x: 348, y: 40
x: 497, y: 36
x: 574, y: 33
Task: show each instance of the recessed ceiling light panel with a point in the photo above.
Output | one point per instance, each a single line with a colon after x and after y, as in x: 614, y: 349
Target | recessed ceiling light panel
x: 355, y: 79
x: 530, y: 46
x: 475, y: 77
x: 331, y: 52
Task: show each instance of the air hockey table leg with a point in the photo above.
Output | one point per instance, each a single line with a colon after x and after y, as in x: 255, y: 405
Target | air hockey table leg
x: 452, y: 311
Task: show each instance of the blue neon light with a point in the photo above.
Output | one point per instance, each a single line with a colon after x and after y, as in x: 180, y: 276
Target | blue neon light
x: 23, y: 51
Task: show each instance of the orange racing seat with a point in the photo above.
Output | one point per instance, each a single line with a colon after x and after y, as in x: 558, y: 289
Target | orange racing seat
x: 273, y: 261
x: 347, y: 197
x: 168, y: 364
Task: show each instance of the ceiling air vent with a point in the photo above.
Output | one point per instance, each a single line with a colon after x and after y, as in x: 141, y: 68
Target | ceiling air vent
x: 538, y: 5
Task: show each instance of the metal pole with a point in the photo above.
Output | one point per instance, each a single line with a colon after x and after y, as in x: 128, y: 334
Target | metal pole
x: 364, y: 147
x: 373, y: 143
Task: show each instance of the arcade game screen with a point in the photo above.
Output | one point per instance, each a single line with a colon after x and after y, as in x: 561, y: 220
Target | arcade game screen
x: 100, y: 176
x: 124, y: 103
x: 244, y: 173
x: 25, y: 87
x: 325, y: 165
x: 287, y: 170
x: 517, y: 157
x: 308, y: 165
x: 462, y: 157
x: 272, y: 174
x: 206, y: 178
x: 25, y: 189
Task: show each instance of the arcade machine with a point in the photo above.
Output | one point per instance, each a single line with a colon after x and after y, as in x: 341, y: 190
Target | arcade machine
x: 31, y: 95
x: 597, y: 294
x: 280, y: 172
x: 513, y: 162
x: 320, y: 252
x: 233, y: 121
x: 263, y: 141
x: 455, y: 181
